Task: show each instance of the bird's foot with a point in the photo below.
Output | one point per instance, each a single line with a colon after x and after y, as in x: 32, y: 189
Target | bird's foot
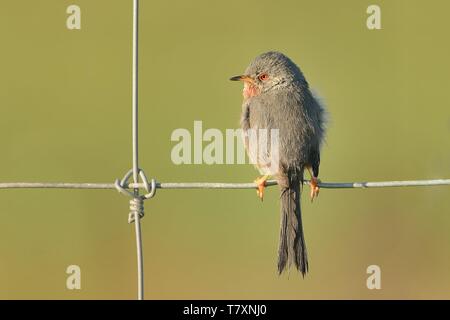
x: 314, y: 185
x: 260, y: 186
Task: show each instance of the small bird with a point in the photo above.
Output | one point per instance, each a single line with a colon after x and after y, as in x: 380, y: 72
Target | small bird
x: 277, y: 96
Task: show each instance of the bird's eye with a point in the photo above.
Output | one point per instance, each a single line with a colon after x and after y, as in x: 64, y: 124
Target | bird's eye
x: 263, y: 77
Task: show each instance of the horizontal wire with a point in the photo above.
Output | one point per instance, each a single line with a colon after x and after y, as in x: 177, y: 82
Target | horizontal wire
x: 213, y: 185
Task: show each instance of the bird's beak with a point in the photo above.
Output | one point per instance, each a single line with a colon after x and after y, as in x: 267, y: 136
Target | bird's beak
x: 242, y: 78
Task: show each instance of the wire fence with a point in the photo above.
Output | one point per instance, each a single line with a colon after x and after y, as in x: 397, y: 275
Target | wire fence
x: 220, y: 185
x: 150, y: 187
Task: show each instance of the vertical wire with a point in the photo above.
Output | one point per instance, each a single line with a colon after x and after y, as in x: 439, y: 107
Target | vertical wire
x: 135, y: 90
x: 140, y: 262
x: 137, y: 222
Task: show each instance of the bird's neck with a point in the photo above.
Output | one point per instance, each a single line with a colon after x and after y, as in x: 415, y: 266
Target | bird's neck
x: 250, y: 91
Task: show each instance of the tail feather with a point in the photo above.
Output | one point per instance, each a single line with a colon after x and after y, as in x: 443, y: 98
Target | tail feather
x: 292, y: 246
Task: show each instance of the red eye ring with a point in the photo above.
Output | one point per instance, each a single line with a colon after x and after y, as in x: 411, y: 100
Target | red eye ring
x: 263, y: 77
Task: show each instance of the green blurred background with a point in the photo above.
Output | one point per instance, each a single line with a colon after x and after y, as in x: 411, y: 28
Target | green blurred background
x: 65, y: 102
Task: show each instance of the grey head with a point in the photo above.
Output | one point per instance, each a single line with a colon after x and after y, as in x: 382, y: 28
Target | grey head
x: 269, y: 71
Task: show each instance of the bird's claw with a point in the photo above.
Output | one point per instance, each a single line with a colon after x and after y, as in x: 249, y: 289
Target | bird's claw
x: 314, y: 185
x: 260, y: 186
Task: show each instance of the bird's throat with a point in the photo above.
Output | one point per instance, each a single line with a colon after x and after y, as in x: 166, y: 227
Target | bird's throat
x: 250, y: 90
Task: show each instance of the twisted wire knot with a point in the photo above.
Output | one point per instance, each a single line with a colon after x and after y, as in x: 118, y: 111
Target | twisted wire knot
x: 136, y: 207
x: 137, y: 201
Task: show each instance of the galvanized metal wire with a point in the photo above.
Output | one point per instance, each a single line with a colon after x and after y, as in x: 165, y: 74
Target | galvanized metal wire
x: 137, y: 202
x: 219, y: 185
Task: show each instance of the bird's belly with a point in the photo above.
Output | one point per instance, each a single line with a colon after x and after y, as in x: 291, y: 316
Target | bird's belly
x: 259, y: 151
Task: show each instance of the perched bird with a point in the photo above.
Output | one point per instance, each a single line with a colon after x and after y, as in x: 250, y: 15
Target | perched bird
x: 277, y: 96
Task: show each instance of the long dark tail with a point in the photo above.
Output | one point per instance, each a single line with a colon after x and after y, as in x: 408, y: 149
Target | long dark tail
x: 292, y: 246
